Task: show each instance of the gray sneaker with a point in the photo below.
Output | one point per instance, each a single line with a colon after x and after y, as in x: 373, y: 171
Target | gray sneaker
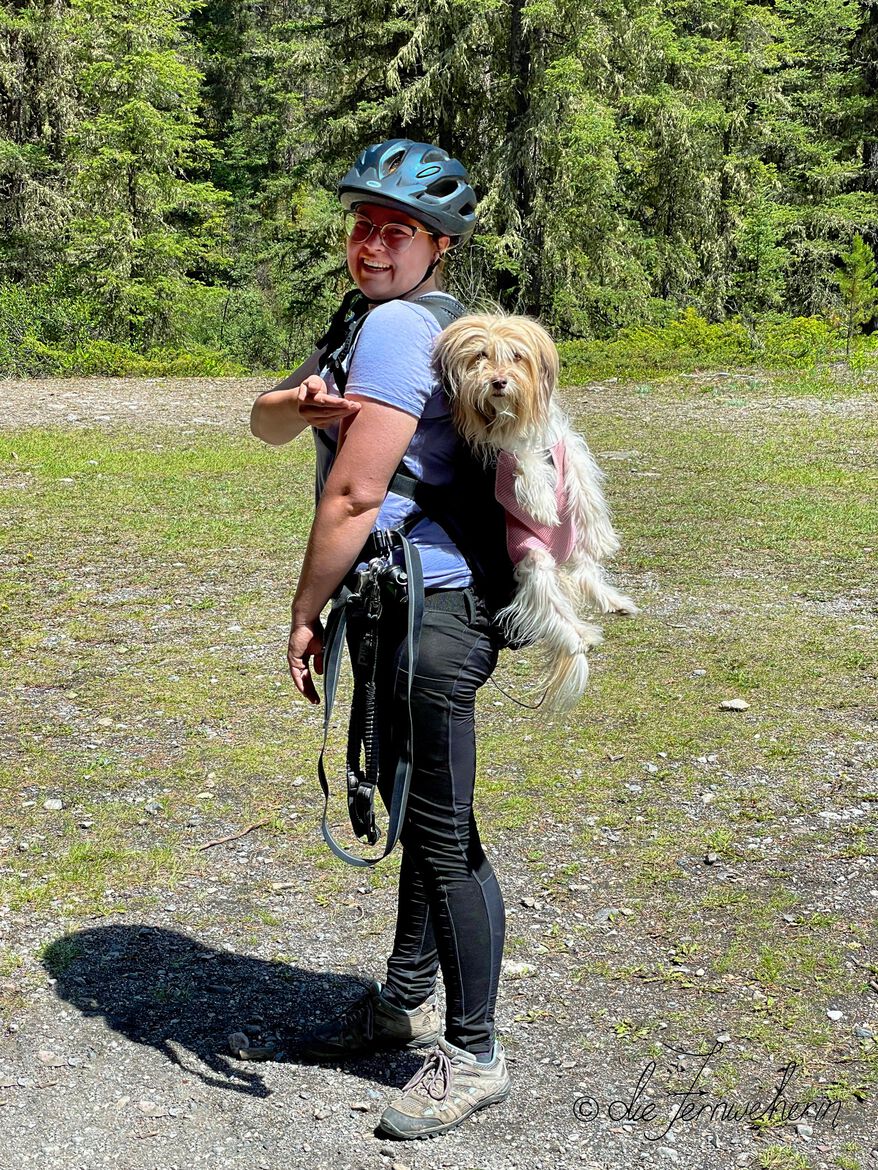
x: 371, y: 1023
x: 449, y: 1088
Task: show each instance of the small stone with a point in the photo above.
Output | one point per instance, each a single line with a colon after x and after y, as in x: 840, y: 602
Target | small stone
x: 52, y: 1059
x: 322, y: 1114
x: 711, y: 858
x: 151, y: 1109
x: 105, y: 721
x: 6, y: 1082
x: 735, y: 705
x: 121, y: 1102
x: 864, y: 1033
x: 517, y: 970
x: 153, y: 807
x: 606, y: 914
x: 835, y: 1015
x: 360, y: 1106
x: 53, y: 804
x: 723, y: 1038
x: 237, y: 1042
x: 804, y: 1130
x: 399, y: 1166
x: 708, y: 797
x: 699, y: 673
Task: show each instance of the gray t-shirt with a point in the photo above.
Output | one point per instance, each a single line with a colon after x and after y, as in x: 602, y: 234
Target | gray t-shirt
x: 391, y: 364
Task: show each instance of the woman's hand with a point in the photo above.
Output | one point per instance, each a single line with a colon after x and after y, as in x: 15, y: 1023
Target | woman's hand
x: 306, y: 641
x: 319, y: 408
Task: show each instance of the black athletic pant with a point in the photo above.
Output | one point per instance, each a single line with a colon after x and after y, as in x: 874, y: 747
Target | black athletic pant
x: 450, y: 909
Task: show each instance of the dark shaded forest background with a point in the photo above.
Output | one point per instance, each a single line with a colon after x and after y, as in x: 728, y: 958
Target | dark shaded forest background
x: 167, y: 168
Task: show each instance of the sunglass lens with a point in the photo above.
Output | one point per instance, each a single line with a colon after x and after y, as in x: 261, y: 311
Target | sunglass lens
x: 359, y: 230
x: 396, y: 237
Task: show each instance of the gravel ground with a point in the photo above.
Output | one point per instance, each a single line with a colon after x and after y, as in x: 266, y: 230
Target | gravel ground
x: 116, y: 1052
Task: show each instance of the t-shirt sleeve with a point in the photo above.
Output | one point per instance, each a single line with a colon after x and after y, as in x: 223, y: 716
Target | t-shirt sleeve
x: 391, y: 358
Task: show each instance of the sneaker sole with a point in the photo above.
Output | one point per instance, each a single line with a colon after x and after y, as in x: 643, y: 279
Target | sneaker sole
x: 389, y: 1128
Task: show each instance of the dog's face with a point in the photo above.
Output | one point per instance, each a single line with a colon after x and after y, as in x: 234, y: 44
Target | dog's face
x: 500, y: 373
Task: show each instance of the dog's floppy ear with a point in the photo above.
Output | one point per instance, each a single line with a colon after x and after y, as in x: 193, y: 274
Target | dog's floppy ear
x: 449, y: 352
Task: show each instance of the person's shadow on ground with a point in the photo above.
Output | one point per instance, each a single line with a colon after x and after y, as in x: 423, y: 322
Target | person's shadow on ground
x: 164, y: 989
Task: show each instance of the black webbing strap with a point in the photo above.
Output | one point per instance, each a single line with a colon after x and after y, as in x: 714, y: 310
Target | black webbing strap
x: 336, y: 626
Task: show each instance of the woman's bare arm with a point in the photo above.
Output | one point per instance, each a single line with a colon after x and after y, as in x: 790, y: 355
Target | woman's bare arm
x: 374, y: 443
x: 299, y: 401
x: 275, y: 417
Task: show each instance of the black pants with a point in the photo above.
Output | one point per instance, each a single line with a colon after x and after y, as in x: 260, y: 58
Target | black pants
x: 450, y: 909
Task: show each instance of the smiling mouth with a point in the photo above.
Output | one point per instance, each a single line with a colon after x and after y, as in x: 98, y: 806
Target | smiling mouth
x: 375, y: 267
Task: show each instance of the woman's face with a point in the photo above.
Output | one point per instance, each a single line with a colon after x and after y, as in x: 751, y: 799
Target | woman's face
x: 382, y: 274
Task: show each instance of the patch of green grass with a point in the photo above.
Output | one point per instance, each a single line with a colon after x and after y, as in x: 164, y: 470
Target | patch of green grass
x: 779, y: 1157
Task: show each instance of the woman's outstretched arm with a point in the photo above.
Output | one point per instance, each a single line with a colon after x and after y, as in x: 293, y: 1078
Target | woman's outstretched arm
x: 299, y: 401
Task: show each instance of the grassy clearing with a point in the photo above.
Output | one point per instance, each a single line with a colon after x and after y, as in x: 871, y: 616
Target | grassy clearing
x: 143, y: 617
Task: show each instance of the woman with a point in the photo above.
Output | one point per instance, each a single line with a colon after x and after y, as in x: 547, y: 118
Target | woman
x: 408, y: 203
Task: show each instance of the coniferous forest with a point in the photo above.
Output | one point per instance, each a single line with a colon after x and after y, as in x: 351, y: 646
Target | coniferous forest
x: 167, y: 167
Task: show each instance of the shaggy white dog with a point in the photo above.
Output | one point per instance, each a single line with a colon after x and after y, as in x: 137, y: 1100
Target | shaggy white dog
x: 501, y: 373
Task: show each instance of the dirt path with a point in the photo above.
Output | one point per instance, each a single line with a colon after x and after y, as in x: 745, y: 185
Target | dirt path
x: 115, y: 1051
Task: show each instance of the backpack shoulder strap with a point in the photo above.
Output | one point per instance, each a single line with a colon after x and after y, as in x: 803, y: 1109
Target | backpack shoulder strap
x: 444, y: 307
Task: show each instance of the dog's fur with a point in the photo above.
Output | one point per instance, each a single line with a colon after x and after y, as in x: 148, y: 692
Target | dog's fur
x: 501, y: 373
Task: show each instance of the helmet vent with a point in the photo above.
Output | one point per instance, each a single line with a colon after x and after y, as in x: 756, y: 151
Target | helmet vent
x: 443, y: 187
x: 394, y: 163
x: 426, y: 172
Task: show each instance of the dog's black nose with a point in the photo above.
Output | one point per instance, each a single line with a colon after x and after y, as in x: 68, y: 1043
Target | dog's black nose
x: 498, y: 383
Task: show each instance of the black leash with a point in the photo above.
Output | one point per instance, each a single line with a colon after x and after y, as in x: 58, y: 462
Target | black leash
x: 362, y: 781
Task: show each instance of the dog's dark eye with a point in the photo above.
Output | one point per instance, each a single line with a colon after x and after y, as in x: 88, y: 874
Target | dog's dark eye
x: 516, y: 357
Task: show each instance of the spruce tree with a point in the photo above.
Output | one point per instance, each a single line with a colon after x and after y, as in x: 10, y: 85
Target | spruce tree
x: 147, y: 226
x: 858, y: 283
x: 37, y: 109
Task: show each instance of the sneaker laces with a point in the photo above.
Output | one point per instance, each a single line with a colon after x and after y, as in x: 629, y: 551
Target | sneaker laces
x: 437, y: 1067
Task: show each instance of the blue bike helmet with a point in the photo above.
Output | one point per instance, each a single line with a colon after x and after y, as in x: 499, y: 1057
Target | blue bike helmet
x: 423, y: 180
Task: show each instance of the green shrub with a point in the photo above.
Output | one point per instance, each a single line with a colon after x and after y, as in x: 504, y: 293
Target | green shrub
x: 689, y: 342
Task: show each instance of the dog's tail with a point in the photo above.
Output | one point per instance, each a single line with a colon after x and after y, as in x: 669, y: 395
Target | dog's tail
x: 541, y: 611
x: 566, y: 678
